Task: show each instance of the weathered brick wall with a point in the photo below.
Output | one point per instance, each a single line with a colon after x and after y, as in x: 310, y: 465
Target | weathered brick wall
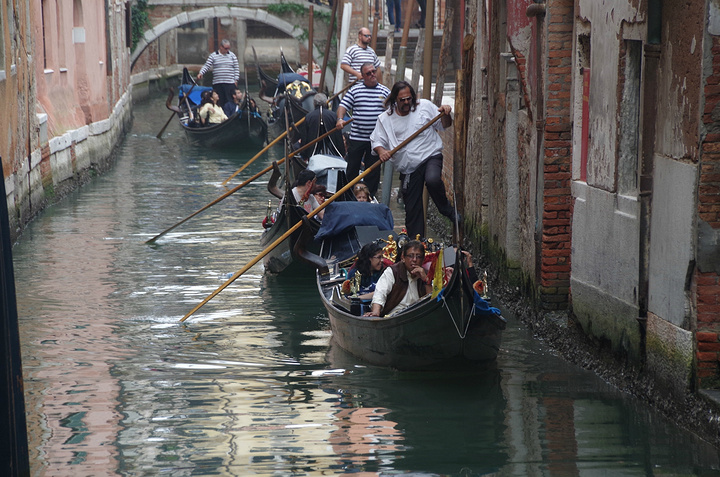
x: 557, y: 199
x: 708, y: 281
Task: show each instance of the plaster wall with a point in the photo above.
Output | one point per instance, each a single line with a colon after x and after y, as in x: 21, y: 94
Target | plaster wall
x: 69, y: 62
x: 604, y: 280
x: 672, y: 243
x: 606, y: 18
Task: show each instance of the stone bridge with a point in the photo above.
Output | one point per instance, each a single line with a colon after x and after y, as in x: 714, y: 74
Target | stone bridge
x: 194, y: 28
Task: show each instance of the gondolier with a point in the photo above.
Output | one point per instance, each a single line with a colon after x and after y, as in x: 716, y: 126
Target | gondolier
x: 420, y: 162
x: 366, y: 100
x: 226, y: 71
x: 358, y: 54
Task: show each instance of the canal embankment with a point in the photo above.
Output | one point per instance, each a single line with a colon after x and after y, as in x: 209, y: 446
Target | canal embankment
x: 695, y: 411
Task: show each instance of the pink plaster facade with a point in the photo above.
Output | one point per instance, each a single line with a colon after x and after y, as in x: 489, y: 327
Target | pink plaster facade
x: 67, y: 80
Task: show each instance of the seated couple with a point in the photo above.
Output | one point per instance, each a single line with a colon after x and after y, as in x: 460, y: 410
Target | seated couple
x: 210, y: 111
x: 394, y: 287
x: 400, y: 285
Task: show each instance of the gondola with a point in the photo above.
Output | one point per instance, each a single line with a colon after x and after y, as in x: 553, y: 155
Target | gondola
x: 289, y: 86
x: 244, y: 129
x: 456, y: 328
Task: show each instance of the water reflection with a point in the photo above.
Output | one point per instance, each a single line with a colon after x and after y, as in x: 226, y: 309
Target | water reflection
x: 252, y: 384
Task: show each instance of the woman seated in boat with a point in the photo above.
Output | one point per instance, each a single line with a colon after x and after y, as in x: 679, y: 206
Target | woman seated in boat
x: 361, y: 192
x: 302, y: 192
x: 369, y: 266
x: 401, y: 284
x: 210, y: 112
x: 320, y: 192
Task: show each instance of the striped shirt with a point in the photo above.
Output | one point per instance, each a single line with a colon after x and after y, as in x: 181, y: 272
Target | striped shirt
x: 356, y: 57
x: 225, y: 67
x: 366, y: 105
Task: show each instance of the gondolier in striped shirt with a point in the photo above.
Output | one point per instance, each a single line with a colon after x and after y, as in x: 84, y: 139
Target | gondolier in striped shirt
x: 366, y: 101
x: 226, y: 71
x: 359, y: 54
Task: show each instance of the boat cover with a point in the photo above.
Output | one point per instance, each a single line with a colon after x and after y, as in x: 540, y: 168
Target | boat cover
x: 196, y: 93
x: 321, y: 162
x: 340, y: 216
x: 285, y: 79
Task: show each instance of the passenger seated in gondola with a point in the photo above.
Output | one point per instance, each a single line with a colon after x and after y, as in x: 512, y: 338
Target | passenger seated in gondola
x: 235, y: 105
x: 254, y: 110
x: 210, y: 112
x: 368, y: 268
x: 401, y: 284
x: 302, y: 192
x: 362, y: 193
x: 320, y: 192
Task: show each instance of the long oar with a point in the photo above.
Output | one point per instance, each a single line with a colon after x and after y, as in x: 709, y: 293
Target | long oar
x: 172, y: 108
x: 310, y: 215
x: 240, y: 186
x: 263, y: 151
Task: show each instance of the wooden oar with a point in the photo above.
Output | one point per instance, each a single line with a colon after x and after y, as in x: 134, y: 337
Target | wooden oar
x: 240, y: 186
x: 263, y: 151
x: 277, y: 139
x: 310, y: 215
x: 159, y: 135
x: 172, y: 108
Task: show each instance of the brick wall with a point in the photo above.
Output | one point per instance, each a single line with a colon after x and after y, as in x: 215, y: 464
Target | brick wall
x: 708, y: 283
x: 557, y: 199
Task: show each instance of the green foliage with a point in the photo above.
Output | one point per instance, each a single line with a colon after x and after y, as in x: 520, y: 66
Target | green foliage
x: 285, y: 8
x: 140, y: 21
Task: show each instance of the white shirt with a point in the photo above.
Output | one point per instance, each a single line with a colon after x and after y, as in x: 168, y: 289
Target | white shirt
x: 385, y: 284
x: 392, y: 129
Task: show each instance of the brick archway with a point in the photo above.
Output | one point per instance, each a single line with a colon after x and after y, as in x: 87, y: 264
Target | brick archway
x: 220, y: 12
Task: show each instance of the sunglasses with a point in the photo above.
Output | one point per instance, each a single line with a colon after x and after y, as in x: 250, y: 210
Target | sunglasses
x: 404, y: 100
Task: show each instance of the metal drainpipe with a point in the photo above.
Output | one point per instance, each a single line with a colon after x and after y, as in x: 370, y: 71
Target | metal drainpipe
x: 537, y: 10
x: 652, y: 51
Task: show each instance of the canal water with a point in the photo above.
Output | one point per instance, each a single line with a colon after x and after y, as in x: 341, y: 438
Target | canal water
x: 251, y: 384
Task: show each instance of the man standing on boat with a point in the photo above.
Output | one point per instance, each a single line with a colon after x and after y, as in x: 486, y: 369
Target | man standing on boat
x: 358, y: 54
x: 420, y: 162
x: 226, y: 71
x: 366, y: 100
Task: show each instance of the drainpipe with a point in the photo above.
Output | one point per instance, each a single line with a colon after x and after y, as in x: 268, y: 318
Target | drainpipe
x: 652, y: 51
x: 537, y: 10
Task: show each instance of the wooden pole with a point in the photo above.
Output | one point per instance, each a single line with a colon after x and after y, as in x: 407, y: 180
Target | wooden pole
x: 429, y: 34
x: 388, y: 76
x: 310, y: 44
x: 310, y: 215
x: 418, y: 60
x: 460, y: 140
x: 327, y: 46
x: 444, y: 55
x: 376, y: 21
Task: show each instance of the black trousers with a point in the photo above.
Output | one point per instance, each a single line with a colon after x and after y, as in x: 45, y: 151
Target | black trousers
x: 360, y: 152
x: 428, y: 174
x: 225, y: 91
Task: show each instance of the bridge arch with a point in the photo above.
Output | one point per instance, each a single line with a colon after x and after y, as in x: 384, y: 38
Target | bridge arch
x: 220, y: 12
